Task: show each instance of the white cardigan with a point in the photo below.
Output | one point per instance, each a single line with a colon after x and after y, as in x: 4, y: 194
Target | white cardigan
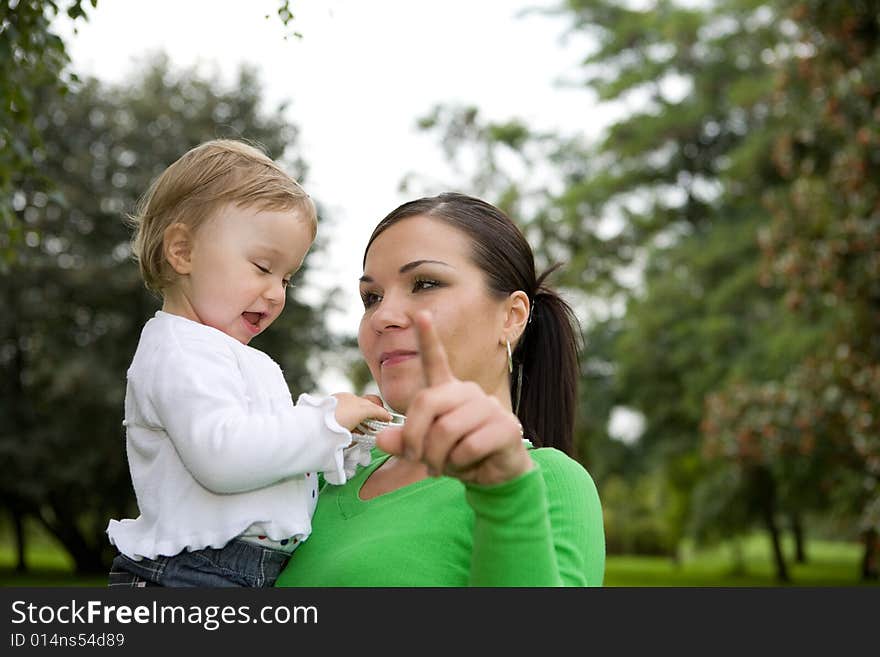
x: 215, y: 444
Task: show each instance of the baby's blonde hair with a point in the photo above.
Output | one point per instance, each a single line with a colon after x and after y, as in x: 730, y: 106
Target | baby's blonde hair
x: 197, y: 185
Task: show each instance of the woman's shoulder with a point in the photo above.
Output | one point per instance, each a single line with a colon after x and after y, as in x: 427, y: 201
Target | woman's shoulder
x: 555, y: 458
x: 560, y: 469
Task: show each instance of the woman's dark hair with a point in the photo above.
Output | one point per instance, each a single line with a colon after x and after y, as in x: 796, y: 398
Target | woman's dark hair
x: 545, y: 359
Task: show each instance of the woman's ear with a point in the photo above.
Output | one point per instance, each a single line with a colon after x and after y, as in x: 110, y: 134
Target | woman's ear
x: 517, y: 317
x: 177, y: 246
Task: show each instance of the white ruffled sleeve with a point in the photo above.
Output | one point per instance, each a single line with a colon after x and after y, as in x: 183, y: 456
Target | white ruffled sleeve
x: 344, y: 467
x: 200, y: 398
x: 358, y: 453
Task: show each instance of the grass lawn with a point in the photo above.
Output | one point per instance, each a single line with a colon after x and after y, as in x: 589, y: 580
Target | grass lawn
x: 830, y: 564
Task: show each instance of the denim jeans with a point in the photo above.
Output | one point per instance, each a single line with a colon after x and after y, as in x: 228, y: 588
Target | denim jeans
x: 238, y: 563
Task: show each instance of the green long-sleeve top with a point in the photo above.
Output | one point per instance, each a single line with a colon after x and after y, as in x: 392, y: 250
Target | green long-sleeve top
x: 543, y: 528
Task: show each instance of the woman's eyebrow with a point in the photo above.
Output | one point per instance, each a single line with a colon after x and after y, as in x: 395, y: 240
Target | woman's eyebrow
x: 415, y: 263
x: 409, y: 267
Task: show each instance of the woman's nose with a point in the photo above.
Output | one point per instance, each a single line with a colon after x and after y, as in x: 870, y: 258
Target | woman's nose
x: 390, y: 313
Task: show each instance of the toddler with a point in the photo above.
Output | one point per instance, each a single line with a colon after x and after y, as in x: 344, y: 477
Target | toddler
x: 224, y: 464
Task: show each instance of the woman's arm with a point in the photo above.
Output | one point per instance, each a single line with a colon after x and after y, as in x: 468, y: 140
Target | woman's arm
x: 543, y: 528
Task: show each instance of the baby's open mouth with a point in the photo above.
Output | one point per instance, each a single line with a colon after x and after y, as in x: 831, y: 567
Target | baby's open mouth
x: 253, y: 318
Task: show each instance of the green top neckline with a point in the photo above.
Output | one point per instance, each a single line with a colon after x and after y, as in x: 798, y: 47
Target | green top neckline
x: 350, y: 502
x: 349, y: 498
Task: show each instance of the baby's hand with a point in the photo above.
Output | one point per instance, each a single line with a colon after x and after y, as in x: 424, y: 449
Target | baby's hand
x: 351, y: 410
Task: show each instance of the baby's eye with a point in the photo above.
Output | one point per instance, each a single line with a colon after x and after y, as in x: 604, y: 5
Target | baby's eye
x: 262, y: 269
x: 370, y: 299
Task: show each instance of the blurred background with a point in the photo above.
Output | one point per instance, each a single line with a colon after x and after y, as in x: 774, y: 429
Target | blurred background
x: 707, y: 170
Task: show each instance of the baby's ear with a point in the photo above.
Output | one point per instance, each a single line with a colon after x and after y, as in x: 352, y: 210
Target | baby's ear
x: 177, y: 246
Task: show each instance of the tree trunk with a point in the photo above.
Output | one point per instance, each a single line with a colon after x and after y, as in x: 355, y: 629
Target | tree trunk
x: 765, y: 488
x: 18, y: 527
x: 20, y: 427
x: 870, y: 568
x: 86, y: 557
x: 778, y: 557
x: 797, y: 530
x: 739, y: 562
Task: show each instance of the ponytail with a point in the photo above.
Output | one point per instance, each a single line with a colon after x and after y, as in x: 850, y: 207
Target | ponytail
x: 545, y: 373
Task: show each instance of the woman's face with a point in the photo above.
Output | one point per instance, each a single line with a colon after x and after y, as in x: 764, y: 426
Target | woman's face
x: 422, y: 263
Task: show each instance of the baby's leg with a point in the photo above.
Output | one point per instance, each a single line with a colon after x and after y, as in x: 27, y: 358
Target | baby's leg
x: 124, y: 575
x: 239, y: 563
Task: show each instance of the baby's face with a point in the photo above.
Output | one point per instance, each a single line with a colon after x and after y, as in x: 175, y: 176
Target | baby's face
x: 241, y: 263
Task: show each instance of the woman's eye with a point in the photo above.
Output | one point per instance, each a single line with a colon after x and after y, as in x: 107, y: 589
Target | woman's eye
x: 425, y: 284
x: 370, y: 299
x: 285, y: 282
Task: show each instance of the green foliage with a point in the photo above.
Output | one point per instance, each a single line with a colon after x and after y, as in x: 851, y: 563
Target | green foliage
x: 818, y: 425
x: 32, y: 57
x: 634, y: 514
x: 484, y: 154
x: 75, y: 302
x: 597, y: 397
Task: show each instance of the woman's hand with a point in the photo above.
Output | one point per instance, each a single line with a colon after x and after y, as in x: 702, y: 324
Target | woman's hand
x: 453, y: 426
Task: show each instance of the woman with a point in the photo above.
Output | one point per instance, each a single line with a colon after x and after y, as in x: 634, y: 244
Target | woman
x: 476, y: 489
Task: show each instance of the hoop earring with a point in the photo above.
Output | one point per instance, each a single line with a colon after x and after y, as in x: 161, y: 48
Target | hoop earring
x: 518, y: 388
x: 509, y: 359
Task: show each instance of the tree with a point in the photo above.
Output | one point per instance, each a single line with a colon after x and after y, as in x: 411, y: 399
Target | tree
x: 822, y: 248
x: 32, y: 57
x: 658, y: 217
x: 74, y: 298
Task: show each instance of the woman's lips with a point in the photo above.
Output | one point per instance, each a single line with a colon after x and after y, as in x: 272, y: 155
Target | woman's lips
x: 391, y: 358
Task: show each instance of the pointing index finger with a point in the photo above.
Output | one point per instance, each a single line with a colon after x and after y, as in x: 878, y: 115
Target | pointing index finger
x: 434, y: 362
